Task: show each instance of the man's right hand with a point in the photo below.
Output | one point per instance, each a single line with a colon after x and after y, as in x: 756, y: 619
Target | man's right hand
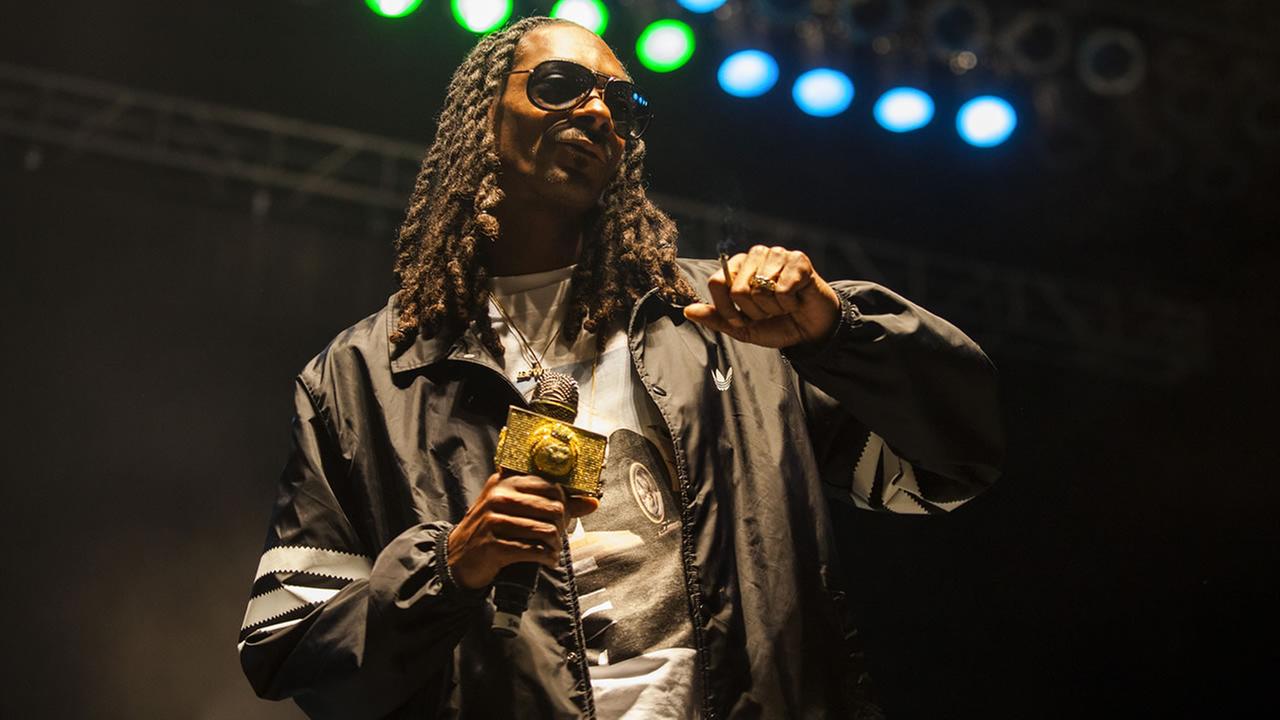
x: 519, y: 518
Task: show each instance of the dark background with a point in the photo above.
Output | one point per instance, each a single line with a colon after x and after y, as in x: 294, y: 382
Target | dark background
x: 153, y: 325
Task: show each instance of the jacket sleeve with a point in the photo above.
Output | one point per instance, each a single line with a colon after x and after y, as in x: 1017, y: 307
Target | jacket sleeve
x: 345, y: 631
x: 902, y: 406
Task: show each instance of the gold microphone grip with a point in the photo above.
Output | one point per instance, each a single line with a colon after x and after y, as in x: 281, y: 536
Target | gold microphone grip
x: 534, y: 444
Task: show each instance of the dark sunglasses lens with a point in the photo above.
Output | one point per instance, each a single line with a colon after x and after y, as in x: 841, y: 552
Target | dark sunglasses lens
x: 556, y: 85
x: 560, y: 85
x: 629, y: 107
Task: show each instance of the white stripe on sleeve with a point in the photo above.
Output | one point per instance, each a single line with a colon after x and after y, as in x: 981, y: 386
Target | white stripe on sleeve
x: 283, y: 600
x: 317, y: 561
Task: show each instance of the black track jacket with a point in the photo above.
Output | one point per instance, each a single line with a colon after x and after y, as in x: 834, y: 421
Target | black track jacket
x: 352, y: 613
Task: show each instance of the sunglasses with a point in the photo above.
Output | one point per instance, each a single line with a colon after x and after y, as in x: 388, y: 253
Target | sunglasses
x: 557, y: 85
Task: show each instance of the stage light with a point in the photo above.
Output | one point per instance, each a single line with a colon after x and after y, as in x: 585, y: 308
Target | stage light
x: 785, y: 13
x: 1112, y: 62
x: 748, y: 73
x: 873, y: 19
x: 956, y: 26
x: 481, y: 16
x: 1037, y: 41
x: 393, y: 8
x: 665, y: 45
x: 590, y: 14
x: 986, y: 121
x: 823, y: 92
x: 700, y: 6
x: 903, y: 109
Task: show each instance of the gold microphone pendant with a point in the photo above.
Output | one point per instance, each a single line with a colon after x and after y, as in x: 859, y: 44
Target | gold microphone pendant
x: 533, y: 444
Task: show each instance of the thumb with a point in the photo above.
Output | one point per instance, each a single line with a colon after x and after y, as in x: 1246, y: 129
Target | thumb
x: 706, y: 315
x: 579, y: 505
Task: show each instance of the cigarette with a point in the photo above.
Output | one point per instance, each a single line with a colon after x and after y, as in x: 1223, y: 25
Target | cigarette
x: 724, y: 265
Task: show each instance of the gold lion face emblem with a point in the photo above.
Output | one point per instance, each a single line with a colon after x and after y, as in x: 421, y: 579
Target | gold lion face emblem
x: 553, y: 450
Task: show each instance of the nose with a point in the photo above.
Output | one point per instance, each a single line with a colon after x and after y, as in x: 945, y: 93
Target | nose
x: 593, y: 111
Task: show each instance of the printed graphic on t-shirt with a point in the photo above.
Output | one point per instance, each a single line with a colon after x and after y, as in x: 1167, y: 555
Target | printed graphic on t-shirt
x: 627, y: 557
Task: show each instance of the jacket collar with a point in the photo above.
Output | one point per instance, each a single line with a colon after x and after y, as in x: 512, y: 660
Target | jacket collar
x: 421, y: 352
x: 650, y: 307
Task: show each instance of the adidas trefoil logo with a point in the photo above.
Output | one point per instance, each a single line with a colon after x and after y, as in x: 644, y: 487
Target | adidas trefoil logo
x: 722, y: 381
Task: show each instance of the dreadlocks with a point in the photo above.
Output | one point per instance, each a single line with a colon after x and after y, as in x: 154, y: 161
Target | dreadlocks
x: 628, y: 249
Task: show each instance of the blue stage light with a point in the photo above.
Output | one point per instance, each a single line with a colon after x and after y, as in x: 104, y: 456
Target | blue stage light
x: 748, y: 73
x: 823, y: 92
x: 700, y: 6
x: 903, y: 109
x: 986, y: 121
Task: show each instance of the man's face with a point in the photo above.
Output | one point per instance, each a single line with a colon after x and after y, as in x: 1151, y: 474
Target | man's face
x: 561, y: 157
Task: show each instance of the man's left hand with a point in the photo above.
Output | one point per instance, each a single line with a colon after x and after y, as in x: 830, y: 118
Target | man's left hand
x: 787, y: 304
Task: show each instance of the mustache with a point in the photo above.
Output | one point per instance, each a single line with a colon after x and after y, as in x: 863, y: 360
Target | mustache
x: 580, y: 134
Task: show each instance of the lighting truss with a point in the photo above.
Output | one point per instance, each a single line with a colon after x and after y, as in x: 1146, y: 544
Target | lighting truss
x: 1129, y: 334
x: 264, y: 150
x: 1102, y: 330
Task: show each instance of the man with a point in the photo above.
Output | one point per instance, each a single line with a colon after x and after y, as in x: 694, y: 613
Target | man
x: 702, y: 584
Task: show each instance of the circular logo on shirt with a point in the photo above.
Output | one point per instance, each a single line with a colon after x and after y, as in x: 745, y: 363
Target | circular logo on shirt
x: 646, y: 492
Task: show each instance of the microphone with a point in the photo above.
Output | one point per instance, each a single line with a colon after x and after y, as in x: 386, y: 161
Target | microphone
x: 543, y: 441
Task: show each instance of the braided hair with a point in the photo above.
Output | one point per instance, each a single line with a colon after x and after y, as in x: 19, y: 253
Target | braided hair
x: 629, y: 245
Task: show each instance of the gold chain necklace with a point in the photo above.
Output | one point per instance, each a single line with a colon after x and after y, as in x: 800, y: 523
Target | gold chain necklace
x: 535, y: 360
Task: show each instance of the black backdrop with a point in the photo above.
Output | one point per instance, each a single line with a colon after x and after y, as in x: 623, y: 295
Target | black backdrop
x: 152, y: 328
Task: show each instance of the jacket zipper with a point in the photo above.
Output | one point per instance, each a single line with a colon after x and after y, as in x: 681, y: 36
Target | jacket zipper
x: 579, y: 635
x: 686, y: 521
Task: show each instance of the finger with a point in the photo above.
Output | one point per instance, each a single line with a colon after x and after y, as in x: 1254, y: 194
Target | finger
x: 709, y: 317
x: 561, y: 497
x: 796, y: 275
x: 518, y: 551
x: 515, y: 527
x: 774, y: 261
x: 789, y: 301
x: 536, y: 485
x: 768, y: 304
x: 720, y: 299
x: 513, y: 502
x: 772, y: 264
x: 741, y: 291
x: 796, y: 272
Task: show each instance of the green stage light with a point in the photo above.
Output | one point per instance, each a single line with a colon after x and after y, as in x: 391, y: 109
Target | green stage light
x: 481, y: 16
x: 590, y: 14
x: 665, y: 45
x: 393, y: 8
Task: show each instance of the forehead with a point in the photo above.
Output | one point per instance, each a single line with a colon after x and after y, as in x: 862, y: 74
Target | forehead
x: 566, y: 41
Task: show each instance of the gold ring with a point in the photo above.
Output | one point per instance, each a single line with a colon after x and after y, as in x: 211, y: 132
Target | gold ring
x: 760, y: 282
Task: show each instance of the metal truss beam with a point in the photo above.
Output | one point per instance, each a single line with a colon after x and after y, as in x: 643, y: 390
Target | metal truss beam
x: 265, y: 150
x: 1129, y: 334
